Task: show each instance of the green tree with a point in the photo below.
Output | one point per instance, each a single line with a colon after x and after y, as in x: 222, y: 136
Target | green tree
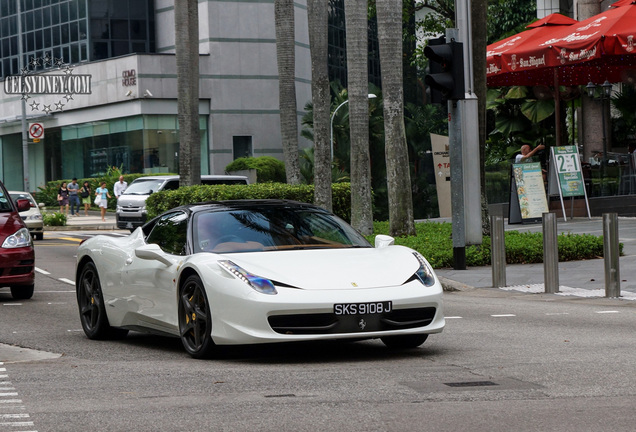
x: 286, y: 60
x: 317, y: 16
x: 396, y: 153
x: 357, y: 76
x: 186, y: 24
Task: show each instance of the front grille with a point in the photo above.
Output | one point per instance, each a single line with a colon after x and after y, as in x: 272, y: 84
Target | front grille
x: 330, y: 323
x: 15, y: 271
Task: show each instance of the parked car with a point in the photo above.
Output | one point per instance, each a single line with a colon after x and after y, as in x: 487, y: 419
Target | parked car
x: 32, y: 217
x: 17, y: 257
x: 131, y: 206
x: 255, y: 271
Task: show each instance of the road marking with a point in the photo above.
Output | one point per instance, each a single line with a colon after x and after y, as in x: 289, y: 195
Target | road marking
x: 73, y: 239
x: 68, y: 281
x: 11, y: 304
x: 56, y: 303
x: 44, y: 272
x: 503, y: 315
x: 453, y: 317
x: 12, y: 419
x: 607, y: 312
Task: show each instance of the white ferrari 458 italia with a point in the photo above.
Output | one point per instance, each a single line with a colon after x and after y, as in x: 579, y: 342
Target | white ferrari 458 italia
x: 255, y: 271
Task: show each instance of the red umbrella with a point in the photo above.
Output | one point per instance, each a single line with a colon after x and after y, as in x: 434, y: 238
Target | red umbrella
x: 596, y: 49
x: 542, y: 27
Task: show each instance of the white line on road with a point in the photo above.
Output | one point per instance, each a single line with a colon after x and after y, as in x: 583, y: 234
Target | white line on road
x: 44, y: 272
x: 453, y: 317
x: 607, y: 312
x: 68, y: 281
x: 503, y: 315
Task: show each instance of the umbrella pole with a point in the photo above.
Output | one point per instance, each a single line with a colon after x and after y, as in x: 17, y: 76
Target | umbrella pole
x: 557, y: 108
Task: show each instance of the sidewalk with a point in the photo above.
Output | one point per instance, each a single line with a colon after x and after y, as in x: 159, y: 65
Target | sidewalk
x: 91, y: 222
x: 579, y: 278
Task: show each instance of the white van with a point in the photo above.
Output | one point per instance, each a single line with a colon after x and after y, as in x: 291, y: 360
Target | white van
x: 131, y: 205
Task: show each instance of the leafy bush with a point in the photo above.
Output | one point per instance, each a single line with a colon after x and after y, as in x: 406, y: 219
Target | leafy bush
x: 162, y: 201
x: 434, y: 241
x: 268, y: 168
x: 54, y: 219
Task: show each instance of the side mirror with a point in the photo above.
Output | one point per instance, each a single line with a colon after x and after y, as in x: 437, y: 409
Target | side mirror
x: 382, y: 241
x: 41, y: 205
x: 152, y: 252
x: 23, y: 205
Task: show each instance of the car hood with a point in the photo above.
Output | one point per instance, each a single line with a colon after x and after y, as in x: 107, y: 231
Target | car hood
x: 333, y: 268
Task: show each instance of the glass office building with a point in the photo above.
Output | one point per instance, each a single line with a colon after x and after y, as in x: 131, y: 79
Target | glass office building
x: 128, y: 119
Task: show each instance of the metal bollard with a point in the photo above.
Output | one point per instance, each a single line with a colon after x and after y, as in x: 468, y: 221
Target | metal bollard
x: 550, y: 254
x: 498, y: 251
x: 611, y: 254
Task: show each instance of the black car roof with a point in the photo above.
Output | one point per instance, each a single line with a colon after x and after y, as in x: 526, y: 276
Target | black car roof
x: 248, y: 205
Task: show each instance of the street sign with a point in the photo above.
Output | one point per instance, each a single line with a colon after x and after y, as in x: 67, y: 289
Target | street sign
x: 36, y: 131
x: 565, y: 168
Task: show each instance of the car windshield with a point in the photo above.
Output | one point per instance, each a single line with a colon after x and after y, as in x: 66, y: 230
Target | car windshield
x: 143, y: 186
x: 279, y: 228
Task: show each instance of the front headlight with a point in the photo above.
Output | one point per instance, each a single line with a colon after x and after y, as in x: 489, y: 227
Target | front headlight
x: 425, y: 272
x: 34, y: 217
x: 262, y: 285
x: 19, y: 239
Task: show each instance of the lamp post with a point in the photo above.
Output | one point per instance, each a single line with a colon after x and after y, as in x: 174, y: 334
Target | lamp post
x: 606, y: 94
x: 370, y: 96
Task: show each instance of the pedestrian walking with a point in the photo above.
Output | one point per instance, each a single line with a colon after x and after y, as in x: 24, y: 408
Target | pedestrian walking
x: 73, y: 197
x: 101, y: 199
x: 85, y: 195
x: 62, y: 198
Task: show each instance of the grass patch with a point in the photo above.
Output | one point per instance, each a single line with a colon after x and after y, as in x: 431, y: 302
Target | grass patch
x: 434, y: 241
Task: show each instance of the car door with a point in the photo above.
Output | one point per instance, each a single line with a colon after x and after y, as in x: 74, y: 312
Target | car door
x: 152, y: 277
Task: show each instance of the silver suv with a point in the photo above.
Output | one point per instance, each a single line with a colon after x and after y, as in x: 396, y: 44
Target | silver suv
x: 131, y: 205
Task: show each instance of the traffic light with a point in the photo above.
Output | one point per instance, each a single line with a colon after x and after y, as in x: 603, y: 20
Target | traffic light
x: 446, y: 62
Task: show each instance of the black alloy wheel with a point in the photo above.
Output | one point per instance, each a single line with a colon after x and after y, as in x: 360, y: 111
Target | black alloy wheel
x: 91, y: 306
x: 195, y: 319
x: 404, y: 341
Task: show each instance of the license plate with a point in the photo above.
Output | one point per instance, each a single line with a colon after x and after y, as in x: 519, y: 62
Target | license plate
x: 362, y: 308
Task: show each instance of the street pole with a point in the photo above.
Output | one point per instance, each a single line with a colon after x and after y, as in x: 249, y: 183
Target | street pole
x: 25, y: 138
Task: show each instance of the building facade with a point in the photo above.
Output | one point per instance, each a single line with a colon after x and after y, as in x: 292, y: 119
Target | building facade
x: 102, y: 86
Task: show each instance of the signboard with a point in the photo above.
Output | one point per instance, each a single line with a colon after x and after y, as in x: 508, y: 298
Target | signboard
x: 36, y: 131
x: 568, y: 168
x: 441, y: 163
x: 528, y: 201
x: 565, y: 167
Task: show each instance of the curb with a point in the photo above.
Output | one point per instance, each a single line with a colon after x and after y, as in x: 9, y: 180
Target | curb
x: 80, y: 227
x: 450, y: 285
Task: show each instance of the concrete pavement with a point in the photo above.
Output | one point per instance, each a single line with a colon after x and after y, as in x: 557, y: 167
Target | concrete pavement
x: 579, y: 278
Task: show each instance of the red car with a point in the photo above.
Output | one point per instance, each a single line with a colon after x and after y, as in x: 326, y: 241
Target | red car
x: 17, y: 257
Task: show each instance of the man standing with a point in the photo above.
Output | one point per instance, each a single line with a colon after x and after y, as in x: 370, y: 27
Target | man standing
x: 527, y: 153
x: 73, y: 198
x: 120, y: 187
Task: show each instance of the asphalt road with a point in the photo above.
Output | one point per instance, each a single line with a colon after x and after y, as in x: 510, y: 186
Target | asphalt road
x: 506, y: 362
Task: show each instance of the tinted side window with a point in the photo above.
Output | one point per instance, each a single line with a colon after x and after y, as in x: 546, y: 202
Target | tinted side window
x: 227, y: 182
x: 171, y: 185
x: 171, y: 233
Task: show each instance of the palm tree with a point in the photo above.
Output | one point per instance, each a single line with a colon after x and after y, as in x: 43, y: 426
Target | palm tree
x: 186, y: 24
x: 317, y: 15
x: 396, y: 150
x: 357, y: 76
x: 286, y: 59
